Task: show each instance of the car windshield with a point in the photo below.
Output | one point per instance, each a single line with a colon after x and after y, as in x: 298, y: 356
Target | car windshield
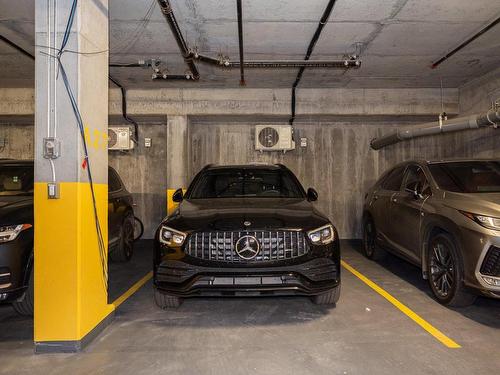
x: 16, y: 180
x: 468, y: 177
x: 242, y: 183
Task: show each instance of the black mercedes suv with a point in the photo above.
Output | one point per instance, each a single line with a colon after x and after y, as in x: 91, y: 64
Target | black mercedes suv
x: 246, y: 230
x: 16, y: 230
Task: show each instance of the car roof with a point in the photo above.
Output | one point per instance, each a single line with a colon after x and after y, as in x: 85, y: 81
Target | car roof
x: 16, y: 162
x: 458, y: 160
x: 440, y: 161
x: 263, y: 166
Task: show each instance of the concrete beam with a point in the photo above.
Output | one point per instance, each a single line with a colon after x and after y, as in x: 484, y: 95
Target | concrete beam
x: 277, y: 102
x: 262, y: 102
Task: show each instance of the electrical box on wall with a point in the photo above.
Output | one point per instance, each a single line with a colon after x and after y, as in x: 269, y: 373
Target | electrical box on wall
x: 120, y: 138
x: 274, y: 138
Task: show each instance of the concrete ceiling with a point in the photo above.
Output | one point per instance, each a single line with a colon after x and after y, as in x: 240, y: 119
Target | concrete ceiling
x: 399, y: 39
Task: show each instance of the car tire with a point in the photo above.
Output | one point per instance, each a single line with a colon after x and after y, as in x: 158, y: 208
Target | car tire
x: 125, y: 249
x: 370, y: 248
x: 329, y: 298
x: 26, y: 306
x: 166, y: 301
x: 446, y: 274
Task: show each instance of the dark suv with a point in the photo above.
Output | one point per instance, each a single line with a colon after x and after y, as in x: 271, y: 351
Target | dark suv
x: 247, y: 230
x: 443, y: 216
x: 16, y: 230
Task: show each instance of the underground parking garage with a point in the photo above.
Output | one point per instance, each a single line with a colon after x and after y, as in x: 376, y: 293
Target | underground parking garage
x: 246, y: 186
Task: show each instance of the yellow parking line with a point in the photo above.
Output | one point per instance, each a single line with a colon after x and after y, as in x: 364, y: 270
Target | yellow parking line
x: 134, y: 288
x: 438, y: 335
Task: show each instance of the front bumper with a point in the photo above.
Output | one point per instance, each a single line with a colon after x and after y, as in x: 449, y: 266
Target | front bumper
x: 313, y: 273
x: 185, y: 279
x: 477, y: 248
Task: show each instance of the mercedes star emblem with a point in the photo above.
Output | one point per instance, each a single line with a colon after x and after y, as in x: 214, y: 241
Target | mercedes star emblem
x: 247, y: 247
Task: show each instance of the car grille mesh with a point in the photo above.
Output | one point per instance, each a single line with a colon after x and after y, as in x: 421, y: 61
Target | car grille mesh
x: 220, y: 246
x: 491, y: 262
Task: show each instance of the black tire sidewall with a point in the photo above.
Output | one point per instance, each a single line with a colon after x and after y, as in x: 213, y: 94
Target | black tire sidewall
x: 368, y: 253
x: 448, y: 241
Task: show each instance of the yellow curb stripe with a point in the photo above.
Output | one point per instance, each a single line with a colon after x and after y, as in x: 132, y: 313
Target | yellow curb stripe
x: 438, y: 335
x: 134, y: 288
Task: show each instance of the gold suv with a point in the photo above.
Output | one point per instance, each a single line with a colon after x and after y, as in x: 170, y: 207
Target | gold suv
x: 443, y: 216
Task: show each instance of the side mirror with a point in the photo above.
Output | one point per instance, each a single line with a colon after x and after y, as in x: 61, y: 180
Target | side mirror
x: 312, y: 195
x: 414, y: 189
x: 178, y: 196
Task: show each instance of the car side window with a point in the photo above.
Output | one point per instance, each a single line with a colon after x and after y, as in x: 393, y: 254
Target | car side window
x: 415, y: 174
x: 394, y: 179
x: 114, y: 183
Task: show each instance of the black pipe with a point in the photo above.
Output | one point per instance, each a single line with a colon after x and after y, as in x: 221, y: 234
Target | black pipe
x: 168, y: 13
x: 240, y: 41
x: 17, y: 47
x: 170, y: 77
x: 124, y: 108
x: 269, y: 64
x: 464, y: 44
x: 131, y: 65
x: 321, y: 25
x: 210, y: 60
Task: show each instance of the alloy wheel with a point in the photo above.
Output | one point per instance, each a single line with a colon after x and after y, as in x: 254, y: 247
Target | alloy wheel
x: 442, y: 269
x: 128, y: 240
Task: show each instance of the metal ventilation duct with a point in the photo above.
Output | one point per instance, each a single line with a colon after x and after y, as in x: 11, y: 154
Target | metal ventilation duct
x: 490, y: 118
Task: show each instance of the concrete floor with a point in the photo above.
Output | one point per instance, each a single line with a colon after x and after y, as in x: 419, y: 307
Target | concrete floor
x: 364, y: 334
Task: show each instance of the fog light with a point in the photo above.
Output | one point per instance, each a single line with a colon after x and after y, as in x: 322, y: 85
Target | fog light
x: 3, y: 296
x: 493, y: 281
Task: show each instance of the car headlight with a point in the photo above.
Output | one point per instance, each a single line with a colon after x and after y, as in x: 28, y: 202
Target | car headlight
x: 486, y: 221
x: 10, y: 233
x: 172, y: 237
x: 323, y: 235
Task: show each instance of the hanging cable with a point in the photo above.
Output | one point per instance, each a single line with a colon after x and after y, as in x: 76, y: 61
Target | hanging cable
x: 124, y: 109
x: 81, y: 128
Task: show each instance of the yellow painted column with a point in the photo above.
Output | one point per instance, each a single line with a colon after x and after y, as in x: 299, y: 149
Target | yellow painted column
x: 71, y: 301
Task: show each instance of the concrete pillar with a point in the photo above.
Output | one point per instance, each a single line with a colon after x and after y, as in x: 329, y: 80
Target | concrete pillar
x: 70, y: 267
x: 177, y: 157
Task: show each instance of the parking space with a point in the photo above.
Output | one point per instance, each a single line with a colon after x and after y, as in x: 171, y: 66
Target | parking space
x: 249, y: 187
x: 363, y: 334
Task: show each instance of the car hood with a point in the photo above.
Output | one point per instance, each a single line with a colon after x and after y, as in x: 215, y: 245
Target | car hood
x: 16, y: 210
x: 487, y: 204
x: 231, y: 214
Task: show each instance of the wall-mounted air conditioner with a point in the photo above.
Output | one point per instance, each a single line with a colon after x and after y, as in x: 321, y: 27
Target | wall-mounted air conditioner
x: 274, y: 138
x: 120, y: 138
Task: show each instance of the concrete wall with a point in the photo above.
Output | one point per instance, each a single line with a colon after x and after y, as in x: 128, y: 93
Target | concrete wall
x: 478, y: 95
x: 16, y: 141
x: 337, y: 161
x: 143, y: 172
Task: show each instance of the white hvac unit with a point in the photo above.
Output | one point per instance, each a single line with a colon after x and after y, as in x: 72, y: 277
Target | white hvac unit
x: 120, y: 138
x: 274, y: 138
